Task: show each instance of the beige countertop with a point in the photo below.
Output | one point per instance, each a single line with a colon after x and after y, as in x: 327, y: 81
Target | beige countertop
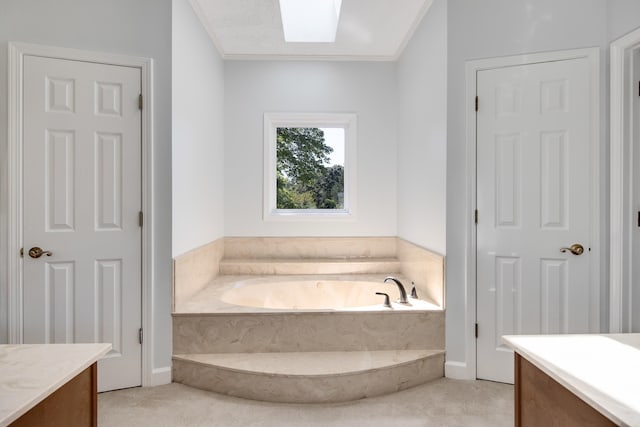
x: 31, y: 372
x: 603, y: 370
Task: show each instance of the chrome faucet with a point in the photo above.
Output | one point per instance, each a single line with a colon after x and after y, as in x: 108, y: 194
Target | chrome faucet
x: 403, y: 293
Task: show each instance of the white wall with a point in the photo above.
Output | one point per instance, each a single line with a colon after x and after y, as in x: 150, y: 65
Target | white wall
x: 255, y: 87
x: 139, y: 28
x: 623, y: 17
x: 197, y: 133
x: 422, y: 133
x: 497, y: 28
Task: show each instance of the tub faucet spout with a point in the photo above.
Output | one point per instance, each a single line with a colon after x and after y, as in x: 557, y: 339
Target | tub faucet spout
x: 403, y: 292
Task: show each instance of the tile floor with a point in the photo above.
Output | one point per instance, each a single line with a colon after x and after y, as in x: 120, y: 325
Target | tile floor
x: 443, y: 402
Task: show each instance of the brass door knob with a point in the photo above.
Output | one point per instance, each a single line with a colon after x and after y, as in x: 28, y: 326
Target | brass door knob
x: 576, y: 249
x: 36, y: 252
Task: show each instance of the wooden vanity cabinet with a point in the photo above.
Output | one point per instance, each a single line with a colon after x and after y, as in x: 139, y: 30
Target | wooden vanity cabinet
x: 74, y: 404
x: 542, y: 401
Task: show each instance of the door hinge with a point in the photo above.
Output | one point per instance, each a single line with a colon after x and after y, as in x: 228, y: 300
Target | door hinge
x: 476, y: 216
x: 140, y: 101
x: 638, y: 226
x: 639, y: 88
x: 140, y: 336
x: 476, y: 102
x: 140, y: 219
x: 476, y: 330
x: 22, y: 249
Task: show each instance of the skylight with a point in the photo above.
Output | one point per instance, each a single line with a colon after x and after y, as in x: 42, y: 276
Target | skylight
x: 310, y: 21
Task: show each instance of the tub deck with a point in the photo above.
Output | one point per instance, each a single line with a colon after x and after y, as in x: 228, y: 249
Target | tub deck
x: 208, y: 300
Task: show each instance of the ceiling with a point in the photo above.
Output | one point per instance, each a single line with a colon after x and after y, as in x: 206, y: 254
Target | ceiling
x: 367, y: 30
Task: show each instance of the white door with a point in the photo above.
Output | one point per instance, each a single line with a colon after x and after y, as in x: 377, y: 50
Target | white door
x: 533, y: 180
x: 81, y: 201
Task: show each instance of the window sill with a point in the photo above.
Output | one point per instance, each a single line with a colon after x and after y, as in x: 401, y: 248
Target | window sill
x: 309, y: 215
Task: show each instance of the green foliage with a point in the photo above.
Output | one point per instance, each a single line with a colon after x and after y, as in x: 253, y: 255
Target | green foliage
x: 288, y: 198
x: 329, y: 189
x: 303, y: 179
x: 301, y: 154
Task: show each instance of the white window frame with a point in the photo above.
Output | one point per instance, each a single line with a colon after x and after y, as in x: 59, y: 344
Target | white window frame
x: 273, y: 121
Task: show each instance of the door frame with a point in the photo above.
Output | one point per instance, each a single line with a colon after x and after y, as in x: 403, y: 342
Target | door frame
x: 621, y: 178
x: 467, y: 369
x: 17, y: 52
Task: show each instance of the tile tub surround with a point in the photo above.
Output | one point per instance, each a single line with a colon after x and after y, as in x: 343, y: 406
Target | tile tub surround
x: 337, y: 255
x: 424, y: 268
x: 304, y: 255
x: 309, y: 266
x: 309, y: 377
x: 207, y: 331
x: 309, y: 247
x: 208, y: 325
x: 195, y: 269
x: 307, y: 331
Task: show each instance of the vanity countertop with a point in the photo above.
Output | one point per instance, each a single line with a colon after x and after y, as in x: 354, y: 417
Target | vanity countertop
x: 31, y: 372
x: 602, y: 370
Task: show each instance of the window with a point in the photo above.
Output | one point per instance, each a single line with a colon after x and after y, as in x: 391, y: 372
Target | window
x: 310, y: 21
x: 309, y: 166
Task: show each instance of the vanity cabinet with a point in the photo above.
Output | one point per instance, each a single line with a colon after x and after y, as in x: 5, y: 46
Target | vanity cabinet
x: 542, y: 401
x: 50, y: 384
x: 73, y: 404
x: 576, y: 380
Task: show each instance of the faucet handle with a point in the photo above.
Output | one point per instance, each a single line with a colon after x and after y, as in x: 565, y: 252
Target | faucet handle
x: 414, y: 292
x: 386, y: 303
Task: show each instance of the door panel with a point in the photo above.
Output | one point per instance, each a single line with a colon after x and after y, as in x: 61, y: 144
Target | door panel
x: 533, y: 169
x: 82, y: 196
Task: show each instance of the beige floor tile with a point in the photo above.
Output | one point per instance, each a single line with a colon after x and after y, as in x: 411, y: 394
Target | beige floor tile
x: 443, y: 402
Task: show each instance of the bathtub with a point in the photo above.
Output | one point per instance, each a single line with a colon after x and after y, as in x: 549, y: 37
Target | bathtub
x: 319, y: 294
x: 312, y: 326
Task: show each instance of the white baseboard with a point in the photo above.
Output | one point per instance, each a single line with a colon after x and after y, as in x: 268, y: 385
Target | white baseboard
x: 160, y: 376
x: 458, y: 371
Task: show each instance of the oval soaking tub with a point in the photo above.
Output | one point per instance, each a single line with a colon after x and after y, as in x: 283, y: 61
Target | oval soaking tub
x: 306, y: 295
x: 311, y: 295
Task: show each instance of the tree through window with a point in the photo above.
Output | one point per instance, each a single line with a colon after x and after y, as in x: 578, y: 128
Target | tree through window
x: 310, y: 168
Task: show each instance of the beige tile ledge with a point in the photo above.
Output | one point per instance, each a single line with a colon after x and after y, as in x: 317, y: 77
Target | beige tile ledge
x: 309, y: 247
x: 285, y: 266
x: 309, y: 388
x: 336, y: 259
x: 208, y: 299
x: 193, y: 270
x: 327, y: 363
